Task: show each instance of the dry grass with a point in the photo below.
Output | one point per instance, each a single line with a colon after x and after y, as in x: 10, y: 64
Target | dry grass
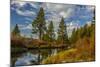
x: 83, y: 51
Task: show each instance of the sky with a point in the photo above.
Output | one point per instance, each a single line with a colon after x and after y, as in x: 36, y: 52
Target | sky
x: 23, y: 13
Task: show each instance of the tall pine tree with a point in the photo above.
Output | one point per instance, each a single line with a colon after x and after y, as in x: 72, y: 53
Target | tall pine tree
x: 51, y: 31
x: 62, y: 32
x: 39, y: 24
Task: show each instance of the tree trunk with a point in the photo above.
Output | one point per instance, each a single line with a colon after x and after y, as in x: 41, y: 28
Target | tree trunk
x: 40, y: 34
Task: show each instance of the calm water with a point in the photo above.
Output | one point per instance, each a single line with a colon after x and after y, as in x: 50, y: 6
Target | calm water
x: 33, y: 57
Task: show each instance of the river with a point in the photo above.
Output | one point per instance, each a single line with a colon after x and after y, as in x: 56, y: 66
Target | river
x: 33, y: 57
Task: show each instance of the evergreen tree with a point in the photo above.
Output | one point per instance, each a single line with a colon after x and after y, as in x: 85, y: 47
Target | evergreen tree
x: 66, y: 39
x: 51, y: 31
x: 16, y: 31
x: 39, y: 25
x: 73, y: 36
x: 62, y: 32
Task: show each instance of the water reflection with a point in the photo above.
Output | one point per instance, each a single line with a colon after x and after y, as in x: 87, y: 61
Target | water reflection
x: 27, y: 59
x: 32, y: 57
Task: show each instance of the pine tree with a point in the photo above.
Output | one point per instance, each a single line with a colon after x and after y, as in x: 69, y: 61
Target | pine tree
x: 66, y: 40
x: 73, y: 36
x: 62, y: 32
x: 51, y: 31
x: 39, y: 25
x: 16, y: 31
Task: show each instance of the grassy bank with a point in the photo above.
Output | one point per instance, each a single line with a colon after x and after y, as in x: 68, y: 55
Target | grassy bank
x: 83, y: 51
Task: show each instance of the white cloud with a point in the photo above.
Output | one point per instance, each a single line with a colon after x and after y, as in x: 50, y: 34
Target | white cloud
x: 56, y: 20
x: 72, y: 25
x: 27, y: 22
x: 29, y: 26
x: 24, y: 27
x: 63, y: 14
x: 25, y: 13
x: 29, y: 19
x: 66, y: 14
x: 21, y: 25
x: 34, y: 5
x: 60, y: 9
x: 20, y: 5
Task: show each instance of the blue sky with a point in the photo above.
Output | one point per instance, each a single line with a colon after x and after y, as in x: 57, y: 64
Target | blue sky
x: 75, y: 16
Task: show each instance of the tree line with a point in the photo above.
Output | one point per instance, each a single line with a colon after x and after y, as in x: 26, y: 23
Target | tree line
x: 47, y: 33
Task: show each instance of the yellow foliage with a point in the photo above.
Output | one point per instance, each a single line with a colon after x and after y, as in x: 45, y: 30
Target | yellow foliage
x: 83, y: 51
